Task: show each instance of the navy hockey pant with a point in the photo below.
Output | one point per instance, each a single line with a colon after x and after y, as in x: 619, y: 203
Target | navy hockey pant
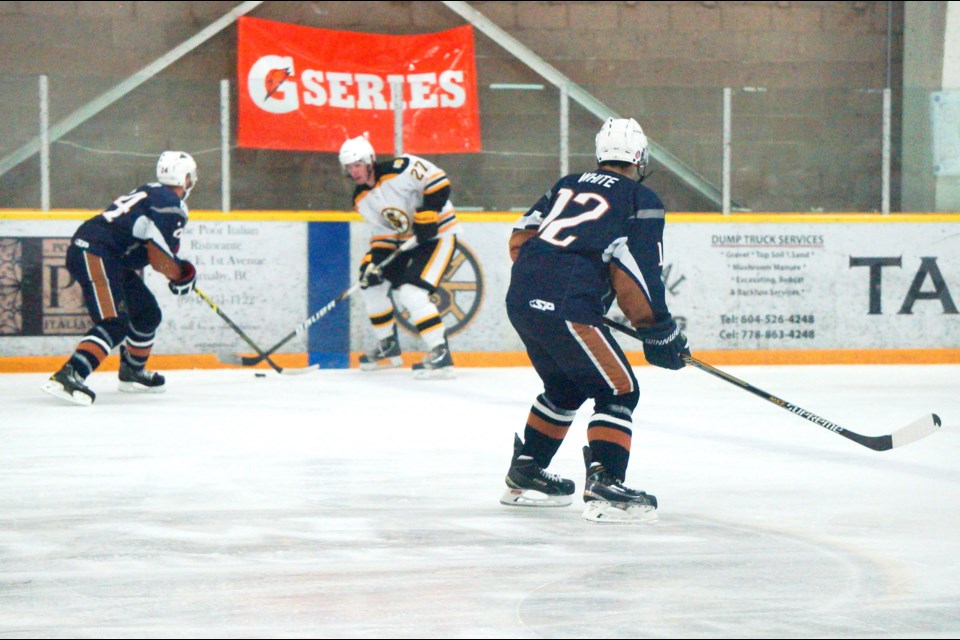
x: 577, y: 362
x: 119, y: 303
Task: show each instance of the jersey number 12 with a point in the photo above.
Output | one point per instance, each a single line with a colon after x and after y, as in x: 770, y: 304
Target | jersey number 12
x: 551, y: 227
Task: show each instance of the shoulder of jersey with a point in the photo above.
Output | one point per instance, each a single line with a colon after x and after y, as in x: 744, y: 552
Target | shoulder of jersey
x: 642, y: 195
x: 648, y: 197
x: 161, y: 197
x: 392, y: 167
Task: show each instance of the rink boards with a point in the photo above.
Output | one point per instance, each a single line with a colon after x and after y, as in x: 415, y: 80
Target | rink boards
x: 747, y: 288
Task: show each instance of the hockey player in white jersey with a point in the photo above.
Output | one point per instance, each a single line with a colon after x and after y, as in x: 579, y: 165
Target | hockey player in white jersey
x: 403, y: 198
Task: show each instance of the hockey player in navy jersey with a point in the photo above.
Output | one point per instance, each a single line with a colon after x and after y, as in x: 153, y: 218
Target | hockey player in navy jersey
x: 594, y: 237
x: 106, y: 256
x: 402, y: 198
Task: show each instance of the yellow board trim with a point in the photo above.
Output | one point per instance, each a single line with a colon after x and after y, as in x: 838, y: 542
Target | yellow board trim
x: 812, y: 218
x: 506, y: 216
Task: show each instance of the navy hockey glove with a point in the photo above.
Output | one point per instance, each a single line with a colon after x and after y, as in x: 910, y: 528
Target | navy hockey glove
x: 664, y: 345
x: 188, y: 277
x: 426, y: 225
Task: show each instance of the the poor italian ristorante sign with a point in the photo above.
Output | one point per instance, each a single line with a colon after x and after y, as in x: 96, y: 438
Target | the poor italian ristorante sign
x: 308, y: 89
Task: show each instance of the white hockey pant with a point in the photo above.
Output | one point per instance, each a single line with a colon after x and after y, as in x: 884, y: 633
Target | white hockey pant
x: 414, y: 299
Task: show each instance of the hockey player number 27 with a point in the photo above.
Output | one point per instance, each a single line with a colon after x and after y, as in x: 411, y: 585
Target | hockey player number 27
x: 551, y: 227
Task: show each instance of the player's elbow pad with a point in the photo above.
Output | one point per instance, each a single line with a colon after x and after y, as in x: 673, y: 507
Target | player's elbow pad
x: 426, y: 225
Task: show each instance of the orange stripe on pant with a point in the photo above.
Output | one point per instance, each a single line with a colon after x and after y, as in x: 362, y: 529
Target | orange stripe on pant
x: 604, y: 357
x: 101, y: 285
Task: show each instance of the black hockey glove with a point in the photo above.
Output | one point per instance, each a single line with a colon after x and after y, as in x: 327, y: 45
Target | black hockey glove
x: 370, y: 273
x: 188, y: 278
x: 664, y: 345
x: 426, y: 225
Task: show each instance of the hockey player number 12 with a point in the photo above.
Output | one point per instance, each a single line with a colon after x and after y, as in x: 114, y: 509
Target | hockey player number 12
x: 550, y: 228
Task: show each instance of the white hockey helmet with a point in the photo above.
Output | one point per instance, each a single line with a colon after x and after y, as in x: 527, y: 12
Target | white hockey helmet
x: 622, y: 140
x: 174, y: 167
x: 357, y: 149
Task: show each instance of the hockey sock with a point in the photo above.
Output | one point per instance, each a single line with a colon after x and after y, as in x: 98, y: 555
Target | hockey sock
x: 547, y: 426
x: 137, y: 346
x: 93, y: 349
x: 609, y: 439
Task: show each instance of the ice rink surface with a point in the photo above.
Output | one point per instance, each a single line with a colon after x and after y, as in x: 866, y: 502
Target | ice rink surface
x: 343, y: 504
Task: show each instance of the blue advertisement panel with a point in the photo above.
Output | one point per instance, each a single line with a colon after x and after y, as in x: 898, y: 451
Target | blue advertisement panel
x: 329, y: 273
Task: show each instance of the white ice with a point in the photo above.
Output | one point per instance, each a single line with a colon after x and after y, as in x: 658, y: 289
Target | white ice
x: 344, y: 504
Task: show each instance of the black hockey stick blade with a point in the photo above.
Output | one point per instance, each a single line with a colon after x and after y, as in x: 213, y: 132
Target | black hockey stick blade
x: 239, y: 361
x: 229, y: 358
x: 233, y: 325
x: 250, y: 361
x: 912, y: 432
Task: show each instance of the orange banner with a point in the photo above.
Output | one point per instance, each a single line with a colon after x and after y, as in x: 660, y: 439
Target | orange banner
x: 308, y: 89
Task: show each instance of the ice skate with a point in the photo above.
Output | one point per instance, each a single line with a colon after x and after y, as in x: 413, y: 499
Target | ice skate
x: 607, y: 500
x: 437, y: 364
x: 140, y: 380
x: 528, y: 485
x: 386, y: 355
x: 67, y: 385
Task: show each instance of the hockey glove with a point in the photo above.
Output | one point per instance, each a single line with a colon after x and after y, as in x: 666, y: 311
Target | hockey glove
x: 664, y: 345
x: 426, y: 225
x: 370, y: 273
x: 370, y: 276
x: 184, y: 284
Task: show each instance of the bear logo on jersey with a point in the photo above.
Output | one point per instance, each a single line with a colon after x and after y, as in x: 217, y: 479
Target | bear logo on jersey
x: 396, y: 218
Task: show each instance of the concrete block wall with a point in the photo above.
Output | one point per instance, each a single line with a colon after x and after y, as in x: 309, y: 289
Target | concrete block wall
x: 806, y: 137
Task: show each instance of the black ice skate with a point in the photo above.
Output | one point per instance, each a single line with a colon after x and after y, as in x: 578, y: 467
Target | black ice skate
x: 140, y: 380
x: 67, y: 384
x: 436, y: 364
x: 386, y: 355
x: 609, y: 501
x: 530, y: 486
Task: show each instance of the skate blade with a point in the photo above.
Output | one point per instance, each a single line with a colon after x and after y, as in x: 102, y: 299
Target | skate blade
x: 531, y: 498
x: 136, y: 387
x: 601, y: 512
x: 443, y: 373
x: 386, y: 363
x: 56, y: 390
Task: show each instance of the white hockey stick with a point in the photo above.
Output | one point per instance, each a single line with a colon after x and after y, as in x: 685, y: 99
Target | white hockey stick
x: 233, y: 325
x: 920, y: 428
x: 249, y: 361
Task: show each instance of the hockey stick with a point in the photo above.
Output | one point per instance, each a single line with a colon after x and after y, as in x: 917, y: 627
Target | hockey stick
x: 917, y: 429
x: 249, y: 361
x: 277, y: 368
